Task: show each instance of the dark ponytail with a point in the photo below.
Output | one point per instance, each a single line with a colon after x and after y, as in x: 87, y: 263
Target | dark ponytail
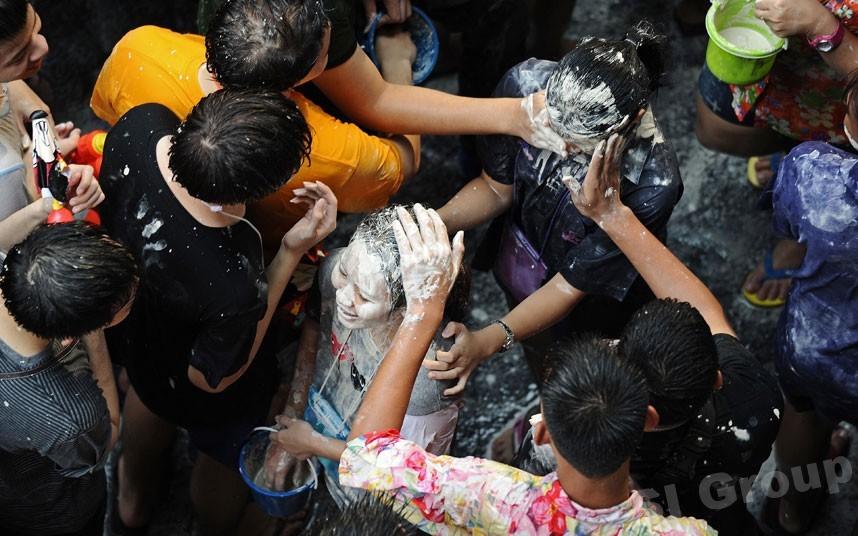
x: 600, y: 82
x: 650, y: 46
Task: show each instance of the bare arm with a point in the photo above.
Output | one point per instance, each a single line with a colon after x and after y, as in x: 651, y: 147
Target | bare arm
x: 478, y: 202
x: 102, y: 372
x: 666, y: 275
x: 538, y: 312
x: 20, y: 223
x: 396, y: 70
x: 810, y: 18
x: 414, y: 110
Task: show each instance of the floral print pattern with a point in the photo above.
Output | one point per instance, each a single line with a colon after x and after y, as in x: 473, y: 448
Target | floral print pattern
x: 802, y: 97
x: 446, y: 495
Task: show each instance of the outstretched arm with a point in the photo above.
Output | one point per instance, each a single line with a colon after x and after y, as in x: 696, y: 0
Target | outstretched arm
x: 599, y: 199
x: 416, y: 110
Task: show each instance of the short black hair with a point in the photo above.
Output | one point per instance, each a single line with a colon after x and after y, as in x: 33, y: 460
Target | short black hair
x: 238, y: 146
x: 67, y: 280
x: 372, y: 513
x: 670, y: 342
x: 13, y: 18
x: 601, y: 81
x: 594, y: 405
x: 269, y: 44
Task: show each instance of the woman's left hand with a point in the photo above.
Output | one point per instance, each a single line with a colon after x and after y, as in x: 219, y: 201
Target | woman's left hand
x: 796, y: 17
x: 599, y: 196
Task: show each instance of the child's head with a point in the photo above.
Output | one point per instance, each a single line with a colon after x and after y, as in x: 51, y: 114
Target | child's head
x: 22, y: 47
x: 67, y: 280
x: 368, y: 279
x: 601, y: 83
x: 238, y: 146
x: 672, y: 345
x: 268, y: 44
x: 370, y: 514
x: 594, y: 406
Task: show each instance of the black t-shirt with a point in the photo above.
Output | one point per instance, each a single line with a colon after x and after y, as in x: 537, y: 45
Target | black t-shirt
x: 733, y: 434
x: 341, y: 14
x: 202, y: 290
x: 574, y: 245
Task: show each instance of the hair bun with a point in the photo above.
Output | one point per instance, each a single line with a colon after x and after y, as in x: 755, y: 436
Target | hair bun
x: 651, y: 47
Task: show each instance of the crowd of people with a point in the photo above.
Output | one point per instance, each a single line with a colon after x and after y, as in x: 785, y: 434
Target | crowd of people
x: 207, y: 300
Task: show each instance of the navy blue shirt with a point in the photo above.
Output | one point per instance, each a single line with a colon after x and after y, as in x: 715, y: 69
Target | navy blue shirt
x: 575, y: 247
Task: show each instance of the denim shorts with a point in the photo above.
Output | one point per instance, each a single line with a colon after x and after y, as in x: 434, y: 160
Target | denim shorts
x: 718, y: 98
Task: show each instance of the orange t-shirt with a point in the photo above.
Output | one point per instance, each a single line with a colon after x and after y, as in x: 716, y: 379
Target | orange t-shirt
x: 151, y: 64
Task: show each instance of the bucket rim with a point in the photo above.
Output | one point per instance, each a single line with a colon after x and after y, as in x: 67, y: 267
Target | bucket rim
x: 248, y: 479
x: 727, y: 46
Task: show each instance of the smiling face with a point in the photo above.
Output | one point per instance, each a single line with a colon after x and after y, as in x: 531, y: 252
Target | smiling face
x: 363, y: 298
x: 21, y: 56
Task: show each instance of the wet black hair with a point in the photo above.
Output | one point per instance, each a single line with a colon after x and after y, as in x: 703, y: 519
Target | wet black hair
x: 670, y: 342
x: 266, y: 44
x: 67, y: 280
x: 370, y: 514
x: 376, y: 231
x: 239, y: 145
x: 594, y: 405
x: 602, y: 81
x: 13, y: 18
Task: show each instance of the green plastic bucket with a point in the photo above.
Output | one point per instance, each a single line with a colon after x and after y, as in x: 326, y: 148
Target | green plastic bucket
x: 742, y: 48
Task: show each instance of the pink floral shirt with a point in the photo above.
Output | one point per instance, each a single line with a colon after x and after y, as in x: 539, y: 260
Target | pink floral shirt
x: 446, y: 495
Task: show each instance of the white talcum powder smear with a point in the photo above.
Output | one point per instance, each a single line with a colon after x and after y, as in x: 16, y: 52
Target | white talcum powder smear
x: 747, y: 38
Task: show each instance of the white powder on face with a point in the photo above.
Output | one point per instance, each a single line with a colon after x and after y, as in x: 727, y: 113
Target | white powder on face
x: 746, y: 38
x: 363, y: 299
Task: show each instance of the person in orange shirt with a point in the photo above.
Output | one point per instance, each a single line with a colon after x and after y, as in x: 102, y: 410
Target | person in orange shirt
x: 155, y: 65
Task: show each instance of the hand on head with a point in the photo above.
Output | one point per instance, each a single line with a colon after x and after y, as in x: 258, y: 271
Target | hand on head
x: 534, y: 127
x: 319, y: 221
x: 429, y: 262
x: 599, y: 196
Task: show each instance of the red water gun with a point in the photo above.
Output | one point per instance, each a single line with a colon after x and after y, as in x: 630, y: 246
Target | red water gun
x: 52, y: 174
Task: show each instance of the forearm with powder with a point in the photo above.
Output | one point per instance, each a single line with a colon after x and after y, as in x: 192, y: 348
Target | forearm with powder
x: 478, y: 202
x: 304, y: 367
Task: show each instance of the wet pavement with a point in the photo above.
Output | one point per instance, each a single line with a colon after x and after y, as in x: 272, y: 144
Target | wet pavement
x: 714, y: 229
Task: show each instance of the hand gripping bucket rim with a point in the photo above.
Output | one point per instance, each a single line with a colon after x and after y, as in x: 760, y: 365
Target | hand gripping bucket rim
x: 731, y: 63
x: 277, y: 503
x: 428, y: 48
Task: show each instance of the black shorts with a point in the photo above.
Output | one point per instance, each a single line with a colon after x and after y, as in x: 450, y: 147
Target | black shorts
x: 718, y: 98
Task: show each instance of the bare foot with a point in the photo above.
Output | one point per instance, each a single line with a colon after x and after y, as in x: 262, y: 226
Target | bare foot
x: 765, y: 173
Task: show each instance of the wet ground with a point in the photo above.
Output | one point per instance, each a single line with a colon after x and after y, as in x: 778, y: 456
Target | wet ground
x: 714, y: 229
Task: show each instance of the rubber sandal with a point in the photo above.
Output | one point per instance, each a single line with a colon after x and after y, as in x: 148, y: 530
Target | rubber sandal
x: 774, y: 162
x: 769, y: 272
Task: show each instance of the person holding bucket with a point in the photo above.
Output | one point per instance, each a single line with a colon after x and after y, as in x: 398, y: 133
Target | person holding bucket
x: 551, y: 259
x: 800, y: 99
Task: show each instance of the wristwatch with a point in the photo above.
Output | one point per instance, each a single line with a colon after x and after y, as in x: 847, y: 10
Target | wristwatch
x: 828, y: 42
x: 510, y: 336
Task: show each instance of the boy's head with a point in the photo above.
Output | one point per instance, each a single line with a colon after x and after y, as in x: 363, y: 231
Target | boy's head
x: 268, y: 44
x: 67, y: 280
x: 594, y: 406
x: 238, y: 146
x: 22, y: 47
x: 673, y: 347
x: 370, y: 514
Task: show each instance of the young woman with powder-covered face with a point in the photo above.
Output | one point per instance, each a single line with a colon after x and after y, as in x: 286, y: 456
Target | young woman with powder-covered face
x: 361, y: 307
x: 600, y: 88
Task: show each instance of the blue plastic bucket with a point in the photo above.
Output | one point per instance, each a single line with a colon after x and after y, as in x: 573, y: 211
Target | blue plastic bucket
x: 274, y: 503
x: 425, y: 38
